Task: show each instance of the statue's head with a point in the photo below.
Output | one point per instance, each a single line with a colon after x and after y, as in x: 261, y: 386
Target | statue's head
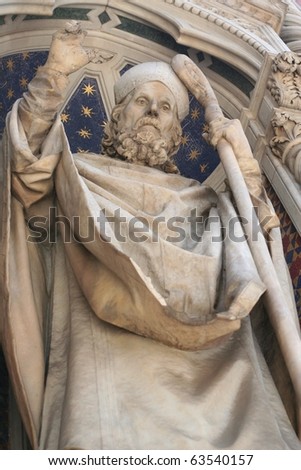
x: 145, y: 123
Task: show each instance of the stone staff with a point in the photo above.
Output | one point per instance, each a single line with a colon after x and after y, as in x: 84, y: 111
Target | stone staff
x: 286, y: 330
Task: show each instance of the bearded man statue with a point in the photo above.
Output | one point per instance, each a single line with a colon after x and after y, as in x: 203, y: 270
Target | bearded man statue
x: 125, y: 319
x: 144, y: 142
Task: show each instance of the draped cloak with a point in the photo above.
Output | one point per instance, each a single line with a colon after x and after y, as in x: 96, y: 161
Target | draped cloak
x: 102, y: 329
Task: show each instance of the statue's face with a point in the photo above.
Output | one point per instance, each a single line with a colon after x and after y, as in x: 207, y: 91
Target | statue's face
x: 150, y: 100
x: 144, y: 128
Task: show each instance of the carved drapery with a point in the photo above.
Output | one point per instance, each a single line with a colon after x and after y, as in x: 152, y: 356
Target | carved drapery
x: 285, y: 87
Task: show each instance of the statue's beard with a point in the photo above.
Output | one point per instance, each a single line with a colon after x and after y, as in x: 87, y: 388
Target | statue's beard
x: 144, y: 145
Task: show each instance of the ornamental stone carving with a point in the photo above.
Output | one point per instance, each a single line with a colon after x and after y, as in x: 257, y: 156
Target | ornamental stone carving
x: 285, y: 81
x: 285, y: 87
x: 269, y: 13
x: 286, y: 143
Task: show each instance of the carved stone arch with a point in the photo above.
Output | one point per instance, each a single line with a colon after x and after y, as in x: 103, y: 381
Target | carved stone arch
x: 239, y: 32
x: 218, y: 28
x: 291, y: 30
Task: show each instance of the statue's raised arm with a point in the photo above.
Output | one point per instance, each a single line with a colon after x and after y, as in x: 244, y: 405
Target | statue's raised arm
x: 67, y: 54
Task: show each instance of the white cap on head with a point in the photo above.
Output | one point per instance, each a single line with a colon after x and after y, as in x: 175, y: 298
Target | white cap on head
x: 149, y: 72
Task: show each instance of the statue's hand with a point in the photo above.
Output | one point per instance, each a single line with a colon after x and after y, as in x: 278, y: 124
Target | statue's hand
x: 66, y: 53
x: 231, y: 130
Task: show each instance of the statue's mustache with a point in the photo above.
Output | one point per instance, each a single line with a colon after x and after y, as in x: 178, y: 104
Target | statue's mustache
x: 148, y: 121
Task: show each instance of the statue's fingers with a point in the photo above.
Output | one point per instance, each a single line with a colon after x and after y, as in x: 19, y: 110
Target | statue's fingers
x: 59, y: 35
x: 76, y: 39
x: 73, y: 27
x: 73, y: 33
x: 229, y: 316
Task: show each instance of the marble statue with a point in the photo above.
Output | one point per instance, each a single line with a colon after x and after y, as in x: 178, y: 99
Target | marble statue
x: 126, y: 296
